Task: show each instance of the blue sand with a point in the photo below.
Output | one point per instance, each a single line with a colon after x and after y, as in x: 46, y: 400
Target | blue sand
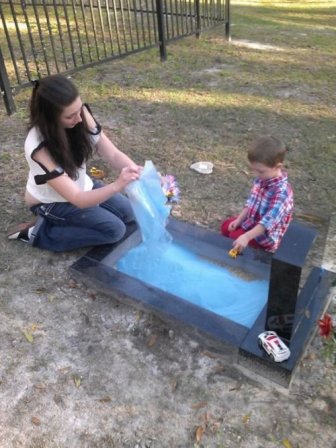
x: 176, y: 270
x: 160, y: 262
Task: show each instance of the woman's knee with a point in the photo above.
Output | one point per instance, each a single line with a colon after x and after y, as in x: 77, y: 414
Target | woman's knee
x: 112, y: 231
x: 120, y: 206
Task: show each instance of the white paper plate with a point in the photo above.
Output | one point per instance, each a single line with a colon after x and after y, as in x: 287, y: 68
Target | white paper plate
x: 202, y: 167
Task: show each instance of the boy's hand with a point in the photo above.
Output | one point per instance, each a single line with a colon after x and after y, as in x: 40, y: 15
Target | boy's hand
x: 241, y: 243
x: 233, y: 225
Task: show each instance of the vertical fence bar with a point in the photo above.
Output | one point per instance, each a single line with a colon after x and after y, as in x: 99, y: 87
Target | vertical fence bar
x: 59, y: 27
x: 116, y: 22
x: 161, y: 31
x: 5, y: 87
x: 148, y: 23
x: 171, y: 15
x: 191, y: 16
x: 177, y: 19
x: 10, y: 47
x: 142, y: 25
x: 123, y: 23
x: 198, y: 18
x: 102, y: 28
x: 154, y: 19
x: 40, y: 33
x: 85, y: 29
x: 94, y: 28
x: 129, y: 20
x: 51, y: 35
x: 135, y: 11
x: 166, y: 19
x: 181, y: 2
x: 227, y: 20
x: 74, y: 11
x: 66, y: 16
x: 186, y: 15
x: 109, y: 25
x: 18, y: 33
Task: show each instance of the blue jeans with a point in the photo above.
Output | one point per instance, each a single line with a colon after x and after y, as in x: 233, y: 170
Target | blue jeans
x: 62, y: 227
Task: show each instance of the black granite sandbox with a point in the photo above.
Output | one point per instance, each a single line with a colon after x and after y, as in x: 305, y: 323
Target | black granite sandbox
x: 283, y: 269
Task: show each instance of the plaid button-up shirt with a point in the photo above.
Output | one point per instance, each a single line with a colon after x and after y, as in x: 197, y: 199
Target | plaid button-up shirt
x: 270, y: 204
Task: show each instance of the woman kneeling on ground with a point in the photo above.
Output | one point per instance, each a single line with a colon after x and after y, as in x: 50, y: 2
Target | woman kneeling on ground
x: 71, y: 210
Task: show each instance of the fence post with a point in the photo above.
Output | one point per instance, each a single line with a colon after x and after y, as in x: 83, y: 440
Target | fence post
x: 227, y: 20
x: 161, y: 31
x: 5, y: 87
x: 198, y: 18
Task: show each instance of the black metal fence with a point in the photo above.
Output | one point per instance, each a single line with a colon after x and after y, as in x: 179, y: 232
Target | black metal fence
x: 42, y: 37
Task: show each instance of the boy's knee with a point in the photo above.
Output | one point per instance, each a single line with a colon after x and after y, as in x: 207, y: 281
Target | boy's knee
x: 225, y: 227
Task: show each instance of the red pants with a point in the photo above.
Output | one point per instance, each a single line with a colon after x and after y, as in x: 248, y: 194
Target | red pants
x: 236, y: 233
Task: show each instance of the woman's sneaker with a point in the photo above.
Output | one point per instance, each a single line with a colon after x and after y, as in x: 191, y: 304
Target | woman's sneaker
x: 21, y: 231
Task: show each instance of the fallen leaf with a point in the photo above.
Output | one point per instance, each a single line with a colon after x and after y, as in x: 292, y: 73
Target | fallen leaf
x: 173, y: 385
x: 209, y: 355
x: 286, y: 443
x: 77, y: 381
x: 246, y: 418
x: 36, y: 421
x: 51, y: 297
x: 151, y: 340
x: 310, y: 357
x: 199, y: 405
x: 40, y: 386
x: 199, y: 433
x: 28, y: 336
x: 105, y: 399
x: 218, y: 369
x: 216, y: 424
x: 73, y: 283
x: 238, y: 387
x: 59, y: 401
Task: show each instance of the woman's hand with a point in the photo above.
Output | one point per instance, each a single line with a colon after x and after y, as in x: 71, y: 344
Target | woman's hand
x: 127, y: 175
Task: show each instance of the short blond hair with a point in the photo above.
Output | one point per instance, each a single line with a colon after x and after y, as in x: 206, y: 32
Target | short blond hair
x: 267, y: 150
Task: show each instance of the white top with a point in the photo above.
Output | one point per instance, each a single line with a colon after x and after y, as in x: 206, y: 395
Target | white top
x: 45, y: 193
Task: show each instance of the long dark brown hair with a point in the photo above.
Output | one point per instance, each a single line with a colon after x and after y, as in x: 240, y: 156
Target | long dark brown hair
x: 68, y: 147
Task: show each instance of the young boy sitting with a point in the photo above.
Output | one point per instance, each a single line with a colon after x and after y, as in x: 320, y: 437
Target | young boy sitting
x: 268, y: 210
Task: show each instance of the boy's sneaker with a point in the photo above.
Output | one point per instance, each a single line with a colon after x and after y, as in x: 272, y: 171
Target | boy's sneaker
x: 21, y: 231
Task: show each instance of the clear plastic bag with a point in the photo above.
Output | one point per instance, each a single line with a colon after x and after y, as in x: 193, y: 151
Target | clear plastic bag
x: 150, y: 207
